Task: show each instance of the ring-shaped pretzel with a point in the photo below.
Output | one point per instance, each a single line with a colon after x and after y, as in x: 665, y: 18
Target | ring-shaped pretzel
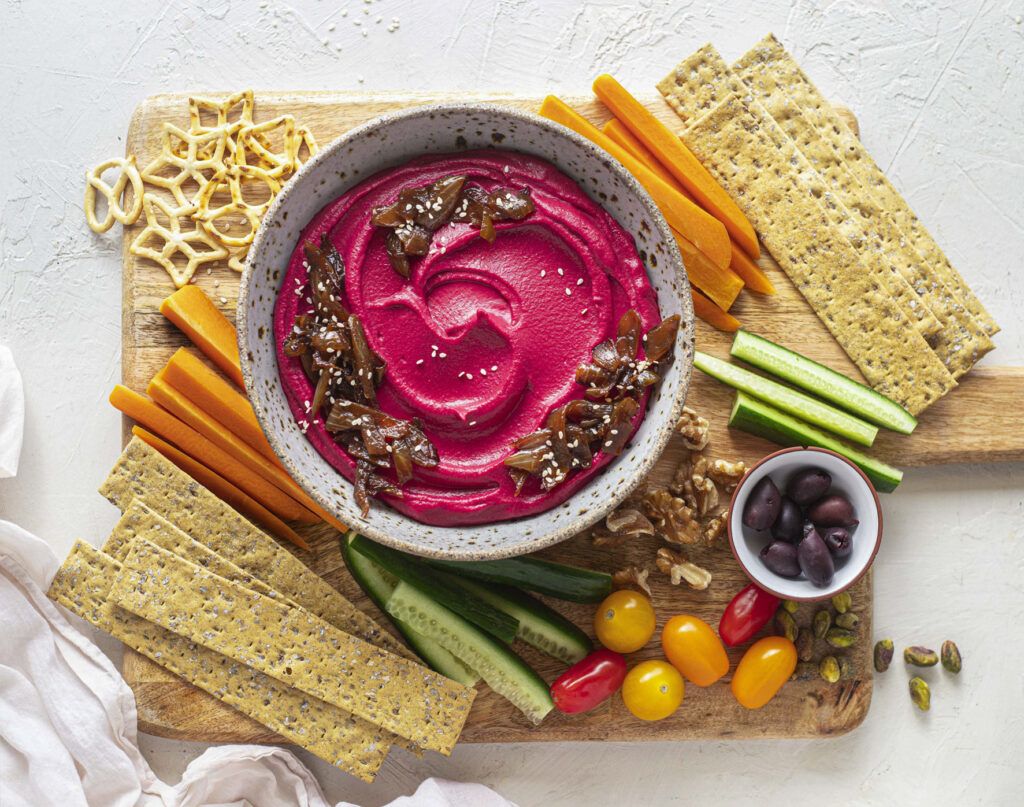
x: 113, y: 194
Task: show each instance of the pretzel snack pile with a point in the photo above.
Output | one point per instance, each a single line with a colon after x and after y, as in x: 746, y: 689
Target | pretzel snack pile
x: 222, y: 177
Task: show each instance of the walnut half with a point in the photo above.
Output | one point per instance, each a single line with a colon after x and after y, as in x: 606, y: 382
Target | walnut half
x: 672, y: 518
x: 632, y: 577
x: 679, y: 568
x: 694, y: 429
x: 727, y: 474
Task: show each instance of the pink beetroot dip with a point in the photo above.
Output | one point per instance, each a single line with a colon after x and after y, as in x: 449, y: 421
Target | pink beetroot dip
x: 483, y: 340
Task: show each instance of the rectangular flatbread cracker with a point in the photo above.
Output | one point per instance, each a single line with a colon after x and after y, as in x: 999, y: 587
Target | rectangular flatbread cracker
x: 293, y: 646
x: 768, y: 56
x: 351, y: 744
x: 144, y: 474
x: 776, y: 188
x: 693, y: 87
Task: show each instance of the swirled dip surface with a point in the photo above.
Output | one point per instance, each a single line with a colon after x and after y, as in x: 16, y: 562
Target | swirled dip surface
x: 483, y: 340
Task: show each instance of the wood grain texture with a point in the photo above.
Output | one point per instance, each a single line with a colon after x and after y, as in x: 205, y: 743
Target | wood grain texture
x: 960, y: 428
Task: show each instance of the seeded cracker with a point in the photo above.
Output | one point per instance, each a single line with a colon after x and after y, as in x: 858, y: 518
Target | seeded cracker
x: 774, y: 186
x: 692, y: 88
x: 293, y: 646
x: 769, y: 57
x: 144, y: 474
x: 354, y: 745
x: 139, y: 521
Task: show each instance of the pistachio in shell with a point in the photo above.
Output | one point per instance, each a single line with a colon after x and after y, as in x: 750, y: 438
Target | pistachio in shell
x: 883, y: 654
x: 839, y: 637
x: 920, y: 694
x: 828, y: 669
x: 848, y: 620
x: 822, y: 622
x: 920, y: 656
x: 842, y: 602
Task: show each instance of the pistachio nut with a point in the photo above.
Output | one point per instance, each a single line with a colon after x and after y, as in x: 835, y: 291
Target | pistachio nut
x: 848, y: 620
x: 920, y: 694
x: 846, y: 668
x: 828, y: 669
x: 883, y: 654
x: 822, y: 622
x: 790, y: 605
x: 920, y: 656
x: 842, y: 602
x: 804, y: 645
x: 785, y: 625
x: 839, y: 637
x: 951, y: 658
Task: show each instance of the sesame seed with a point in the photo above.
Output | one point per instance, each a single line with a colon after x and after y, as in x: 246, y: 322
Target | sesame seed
x: 433, y: 347
x: 483, y: 371
x: 494, y: 367
x: 469, y: 376
x: 543, y: 272
x: 419, y: 361
x: 443, y: 355
x: 472, y: 423
x: 461, y: 374
x: 568, y: 292
x: 561, y: 271
x: 579, y: 282
x: 584, y: 311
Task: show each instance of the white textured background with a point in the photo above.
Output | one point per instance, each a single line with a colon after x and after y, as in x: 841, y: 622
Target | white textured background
x: 940, y: 95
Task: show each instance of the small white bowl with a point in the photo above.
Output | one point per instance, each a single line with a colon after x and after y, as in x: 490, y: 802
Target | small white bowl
x: 847, y: 480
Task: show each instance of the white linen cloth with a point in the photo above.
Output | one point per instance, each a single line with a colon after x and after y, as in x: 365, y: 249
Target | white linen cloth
x: 68, y: 719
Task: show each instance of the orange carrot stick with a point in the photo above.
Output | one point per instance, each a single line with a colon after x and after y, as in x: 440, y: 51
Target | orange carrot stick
x: 741, y: 264
x: 221, y: 488
x: 197, y: 382
x: 721, y: 285
x: 678, y: 159
x: 700, y: 228
x: 165, y: 425
x: 712, y: 314
x: 179, y: 405
x: 752, y: 274
x: 194, y: 313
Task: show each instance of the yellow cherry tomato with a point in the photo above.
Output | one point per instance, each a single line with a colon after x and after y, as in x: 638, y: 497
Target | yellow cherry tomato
x: 762, y: 671
x: 624, y: 622
x: 694, y: 649
x: 653, y: 690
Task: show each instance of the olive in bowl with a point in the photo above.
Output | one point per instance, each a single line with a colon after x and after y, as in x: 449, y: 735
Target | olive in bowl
x: 830, y: 553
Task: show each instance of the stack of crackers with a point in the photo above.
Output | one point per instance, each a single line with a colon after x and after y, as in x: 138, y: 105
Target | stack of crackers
x: 189, y: 583
x: 832, y: 220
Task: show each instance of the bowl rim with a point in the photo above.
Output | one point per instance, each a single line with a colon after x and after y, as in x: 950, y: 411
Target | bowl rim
x: 640, y: 469
x: 757, y: 579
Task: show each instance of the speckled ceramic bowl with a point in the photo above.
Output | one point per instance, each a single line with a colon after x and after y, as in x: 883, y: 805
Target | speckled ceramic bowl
x: 392, y: 140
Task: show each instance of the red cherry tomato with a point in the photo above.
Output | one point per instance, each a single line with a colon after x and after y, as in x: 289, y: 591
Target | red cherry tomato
x: 588, y: 682
x: 748, y: 612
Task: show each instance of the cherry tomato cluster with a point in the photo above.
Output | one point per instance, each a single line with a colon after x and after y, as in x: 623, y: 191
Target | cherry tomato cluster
x: 654, y: 689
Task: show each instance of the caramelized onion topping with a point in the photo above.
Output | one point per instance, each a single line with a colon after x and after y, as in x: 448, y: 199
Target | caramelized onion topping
x: 419, y: 212
x: 615, y: 379
x: 336, y: 357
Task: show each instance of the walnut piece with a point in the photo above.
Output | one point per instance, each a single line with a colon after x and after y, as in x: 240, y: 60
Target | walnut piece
x: 694, y: 429
x: 713, y: 528
x: 634, y: 578
x: 679, y: 568
x: 672, y: 518
x: 727, y: 474
x: 622, y: 525
x: 705, y: 493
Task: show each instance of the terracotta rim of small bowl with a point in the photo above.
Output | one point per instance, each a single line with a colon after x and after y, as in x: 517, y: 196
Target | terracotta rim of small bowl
x: 644, y: 464
x: 756, y: 579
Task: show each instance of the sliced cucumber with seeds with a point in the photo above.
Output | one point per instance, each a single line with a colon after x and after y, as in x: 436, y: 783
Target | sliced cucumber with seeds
x: 553, y: 579
x: 822, y: 381
x: 788, y: 400
x: 412, y: 570
x: 503, y: 670
x: 758, y: 418
x: 378, y: 586
x: 539, y: 626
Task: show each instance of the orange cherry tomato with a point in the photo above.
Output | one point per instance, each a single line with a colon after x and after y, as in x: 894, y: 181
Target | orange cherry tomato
x: 694, y: 649
x: 762, y: 671
x: 653, y: 690
x: 624, y: 622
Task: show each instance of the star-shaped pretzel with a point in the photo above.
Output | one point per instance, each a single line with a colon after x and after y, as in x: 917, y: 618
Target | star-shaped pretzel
x: 233, y: 176
x: 113, y: 195
x: 243, y: 101
x: 254, y: 140
x: 203, y: 153
x: 174, y: 240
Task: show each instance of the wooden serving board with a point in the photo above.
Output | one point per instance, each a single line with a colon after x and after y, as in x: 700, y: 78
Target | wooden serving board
x: 963, y: 427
